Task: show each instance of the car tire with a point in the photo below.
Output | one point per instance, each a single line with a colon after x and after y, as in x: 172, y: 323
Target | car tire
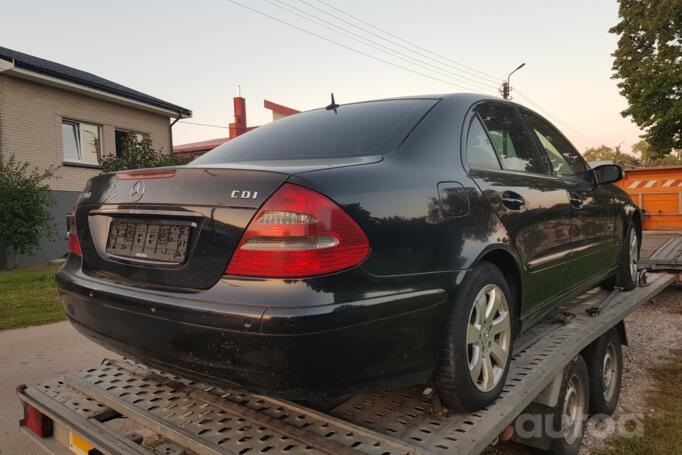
x: 477, y: 350
x: 623, y: 275
x: 575, y: 391
x: 626, y: 276
x: 605, y: 363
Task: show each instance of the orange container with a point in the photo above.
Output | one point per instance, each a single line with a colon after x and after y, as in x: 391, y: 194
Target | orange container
x: 658, y: 191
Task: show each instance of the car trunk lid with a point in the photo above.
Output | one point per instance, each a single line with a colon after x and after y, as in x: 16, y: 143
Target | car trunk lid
x: 168, y: 228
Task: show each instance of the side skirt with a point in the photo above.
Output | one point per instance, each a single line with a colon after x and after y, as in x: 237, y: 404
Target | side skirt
x: 529, y: 320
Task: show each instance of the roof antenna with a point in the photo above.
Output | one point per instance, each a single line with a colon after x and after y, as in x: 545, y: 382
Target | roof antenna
x: 333, y: 105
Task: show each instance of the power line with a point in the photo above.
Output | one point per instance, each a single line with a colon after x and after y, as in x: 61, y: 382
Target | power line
x: 494, y: 78
x: 352, y: 49
x: 567, y: 127
x: 204, y: 124
x: 378, y: 46
x: 574, y: 132
x: 482, y: 81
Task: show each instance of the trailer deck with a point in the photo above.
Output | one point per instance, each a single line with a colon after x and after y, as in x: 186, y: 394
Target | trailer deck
x: 123, y: 407
x: 662, y: 250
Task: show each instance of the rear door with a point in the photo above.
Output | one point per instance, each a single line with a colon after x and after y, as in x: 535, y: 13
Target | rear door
x: 533, y: 205
x: 593, y: 249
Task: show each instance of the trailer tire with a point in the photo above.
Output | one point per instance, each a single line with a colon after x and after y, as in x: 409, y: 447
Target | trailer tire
x: 471, y: 374
x: 605, y: 364
x: 575, y: 393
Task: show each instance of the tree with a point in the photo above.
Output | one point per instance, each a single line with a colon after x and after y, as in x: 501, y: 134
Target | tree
x: 648, y: 65
x: 138, y: 153
x: 25, y: 202
x: 605, y: 153
x: 647, y: 158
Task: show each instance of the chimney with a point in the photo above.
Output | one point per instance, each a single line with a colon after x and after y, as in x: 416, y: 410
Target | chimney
x: 239, y: 126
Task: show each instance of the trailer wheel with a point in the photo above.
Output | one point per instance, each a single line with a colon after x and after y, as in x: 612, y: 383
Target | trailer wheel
x: 605, y: 364
x: 568, y: 417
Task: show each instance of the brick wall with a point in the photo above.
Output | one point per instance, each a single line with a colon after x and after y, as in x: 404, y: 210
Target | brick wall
x: 30, y: 126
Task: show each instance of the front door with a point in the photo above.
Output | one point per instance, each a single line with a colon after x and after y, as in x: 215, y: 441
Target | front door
x: 533, y: 205
x: 593, y: 248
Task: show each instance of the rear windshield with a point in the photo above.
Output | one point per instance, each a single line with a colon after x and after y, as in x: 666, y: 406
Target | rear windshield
x: 362, y: 129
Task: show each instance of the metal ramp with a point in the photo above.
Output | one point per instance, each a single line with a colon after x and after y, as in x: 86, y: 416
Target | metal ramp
x: 188, y: 417
x: 662, y: 250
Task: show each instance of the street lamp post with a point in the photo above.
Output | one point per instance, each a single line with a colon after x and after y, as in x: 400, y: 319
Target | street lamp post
x: 506, y: 88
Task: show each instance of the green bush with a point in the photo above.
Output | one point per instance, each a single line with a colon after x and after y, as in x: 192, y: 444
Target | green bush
x: 138, y: 153
x: 25, y: 202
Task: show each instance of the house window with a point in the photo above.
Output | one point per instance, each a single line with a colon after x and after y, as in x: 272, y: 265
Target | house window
x: 121, y: 137
x: 82, y: 142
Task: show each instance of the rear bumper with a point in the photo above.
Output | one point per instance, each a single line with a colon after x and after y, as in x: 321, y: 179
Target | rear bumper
x: 376, y: 342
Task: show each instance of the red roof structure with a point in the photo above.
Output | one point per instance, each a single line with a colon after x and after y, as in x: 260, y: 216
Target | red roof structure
x: 237, y: 128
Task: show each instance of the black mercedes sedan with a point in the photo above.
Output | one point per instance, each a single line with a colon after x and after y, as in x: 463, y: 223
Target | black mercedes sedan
x: 352, y: 248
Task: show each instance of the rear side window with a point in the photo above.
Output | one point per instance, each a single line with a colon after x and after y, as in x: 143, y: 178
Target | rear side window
x: 511, y: 140
x: 361, y: 129
x: 480, y: 153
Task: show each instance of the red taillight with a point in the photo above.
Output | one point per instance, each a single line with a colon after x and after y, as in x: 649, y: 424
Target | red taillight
x: 74, y: 244
x: 141, y: 175
x: 35, y: 420
x: 298, y: 233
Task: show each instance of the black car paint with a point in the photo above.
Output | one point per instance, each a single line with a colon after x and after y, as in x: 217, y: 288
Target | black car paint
x: 429, y: 220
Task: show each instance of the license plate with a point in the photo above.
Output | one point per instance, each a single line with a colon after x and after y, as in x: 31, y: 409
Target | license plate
x: 158, y: 241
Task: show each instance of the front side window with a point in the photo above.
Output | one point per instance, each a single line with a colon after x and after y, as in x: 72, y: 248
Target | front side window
x: 565, y: 160
x: 81, y: 142
x: 480, y: 152
x: 511, y: 140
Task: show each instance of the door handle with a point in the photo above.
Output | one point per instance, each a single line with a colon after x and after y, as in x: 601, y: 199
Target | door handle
x: 576, y: 200
x: 513, y: 201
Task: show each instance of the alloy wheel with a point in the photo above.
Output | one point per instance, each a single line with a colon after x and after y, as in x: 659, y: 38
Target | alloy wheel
x: 633, y: 257
x: 488, y: 338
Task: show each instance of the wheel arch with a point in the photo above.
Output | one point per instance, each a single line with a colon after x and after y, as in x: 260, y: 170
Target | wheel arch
x: 509, y: 265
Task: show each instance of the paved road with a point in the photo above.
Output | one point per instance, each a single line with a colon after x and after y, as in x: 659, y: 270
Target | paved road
x: 30, y: 356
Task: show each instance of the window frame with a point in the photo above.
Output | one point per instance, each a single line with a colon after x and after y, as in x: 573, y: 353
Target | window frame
x: 589, y: 176
x: 548, y: 171
x: 81, y: 162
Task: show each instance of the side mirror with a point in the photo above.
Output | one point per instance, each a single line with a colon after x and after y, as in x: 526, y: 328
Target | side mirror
x: 608, y: 173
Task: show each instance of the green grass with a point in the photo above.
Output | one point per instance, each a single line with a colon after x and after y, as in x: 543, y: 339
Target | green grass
x: 29, y: 297
x: 663, y: 432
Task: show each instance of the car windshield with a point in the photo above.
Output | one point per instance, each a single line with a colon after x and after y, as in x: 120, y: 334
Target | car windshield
x: 352, y: 130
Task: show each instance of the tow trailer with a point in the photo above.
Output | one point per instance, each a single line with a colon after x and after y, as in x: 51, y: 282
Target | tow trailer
x: 121, y: 407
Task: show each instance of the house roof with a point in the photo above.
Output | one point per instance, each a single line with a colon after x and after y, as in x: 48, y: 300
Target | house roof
x: 69, y: 74
x: 210, y: 144
x: 200, y: 146
x: 279, y: 108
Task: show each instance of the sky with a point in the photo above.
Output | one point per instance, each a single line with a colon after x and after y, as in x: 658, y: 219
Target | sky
x: 196, y: 53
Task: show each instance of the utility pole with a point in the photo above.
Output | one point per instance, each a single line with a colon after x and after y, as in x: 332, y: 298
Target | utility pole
x: 506, y: 88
